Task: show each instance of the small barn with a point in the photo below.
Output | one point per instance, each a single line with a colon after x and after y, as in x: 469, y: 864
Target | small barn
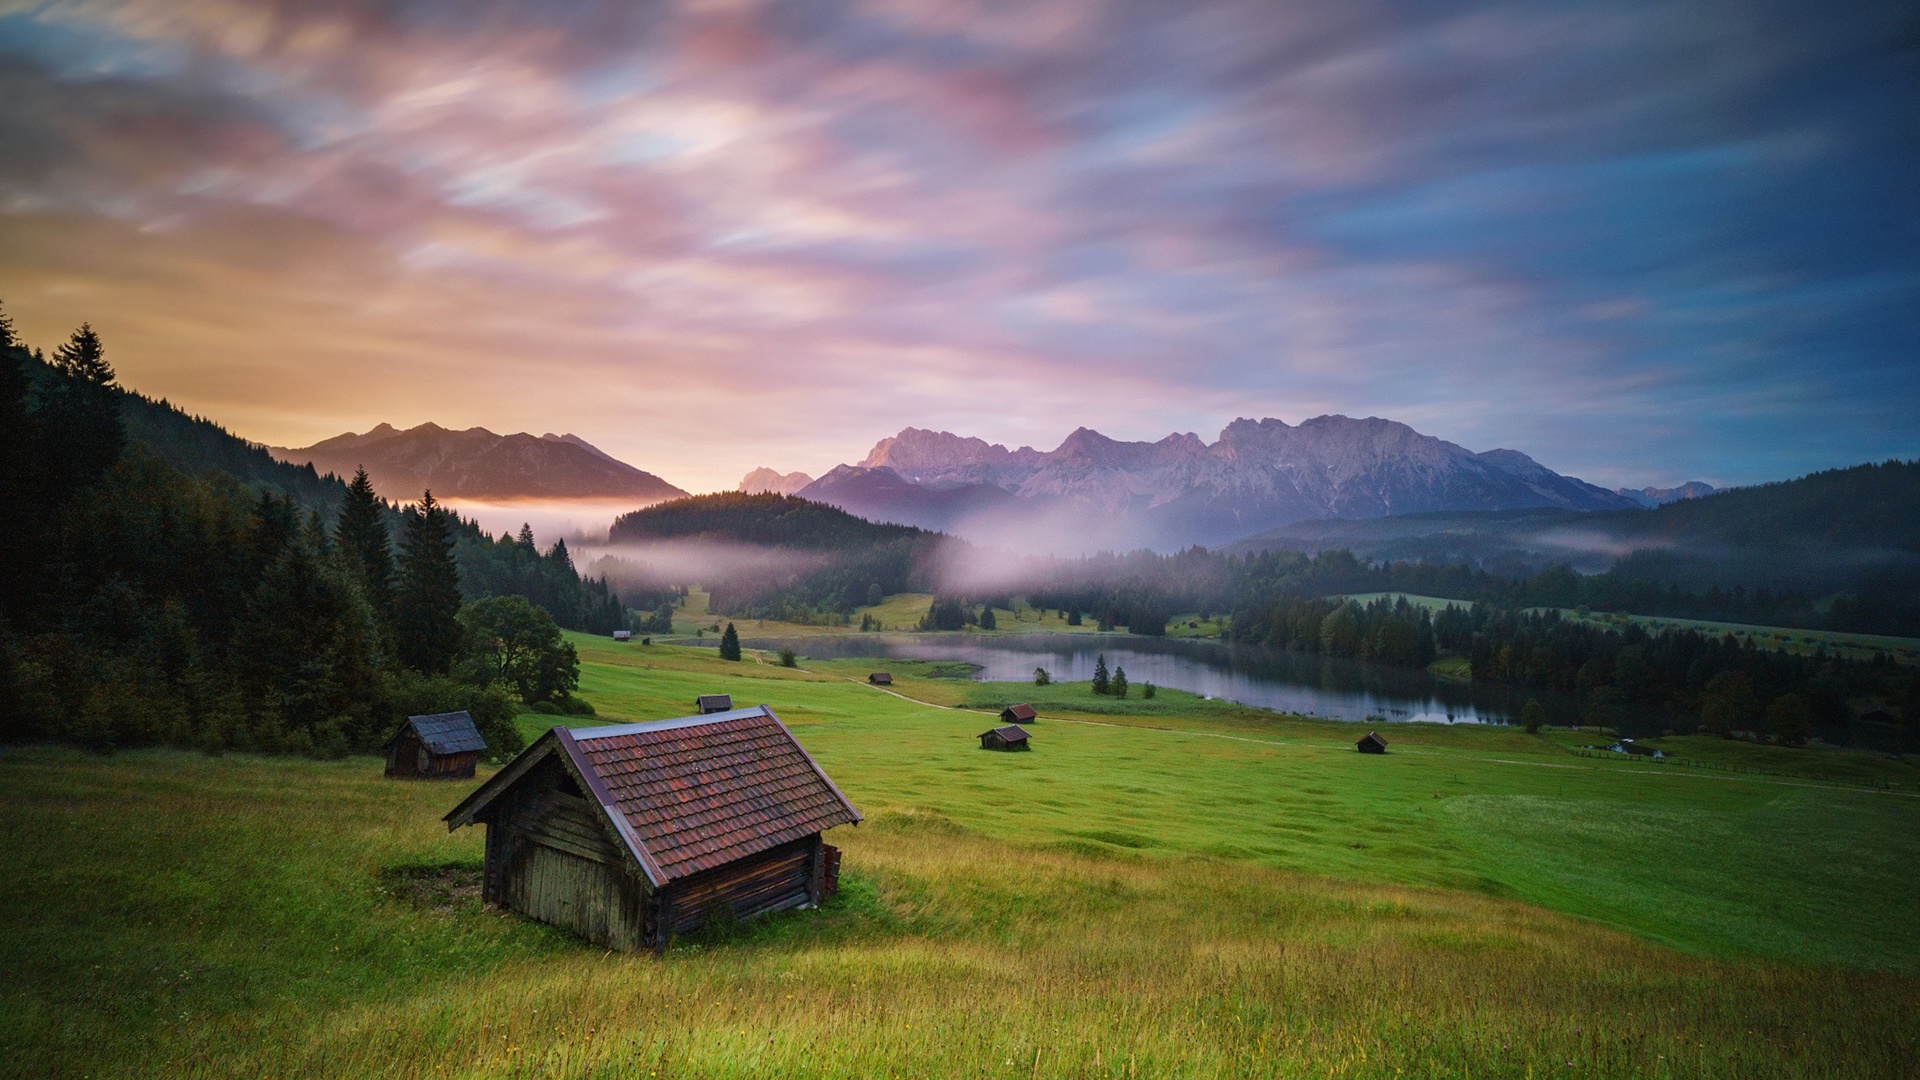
x: 623, y: 635
x: 880, y: 678
x: 631, y: 833
x: 1372, y: 743
x: 1019, y: 714
x: 436, y: 746
x: 1011, y: 737
x: 713, y: 703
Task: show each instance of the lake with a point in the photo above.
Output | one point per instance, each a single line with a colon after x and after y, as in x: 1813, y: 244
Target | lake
x: 1249, y: 674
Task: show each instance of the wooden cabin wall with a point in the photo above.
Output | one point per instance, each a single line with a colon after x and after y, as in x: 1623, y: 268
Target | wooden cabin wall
x: 409, y: 758
x: 403, y: 757
x: 453, y: 766
x: 778, y: 879
x: 549, y: 858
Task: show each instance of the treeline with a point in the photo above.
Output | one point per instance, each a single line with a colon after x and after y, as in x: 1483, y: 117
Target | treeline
x: 142, y: 605
x: 515, y: 566
x: 1384, y: 631
x: 1718, y: 684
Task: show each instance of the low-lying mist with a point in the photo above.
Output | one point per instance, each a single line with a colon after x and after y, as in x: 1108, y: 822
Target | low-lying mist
x: 663, y: 564
x: 551, y: 519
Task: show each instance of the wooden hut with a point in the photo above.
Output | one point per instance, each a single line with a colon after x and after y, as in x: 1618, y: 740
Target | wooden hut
x: 1011, y: 737
x: 623, y: 635
x: 880, y: 678
x: 631, y: 833
x: 436, y: 746
x: 713, y: 703
x: 1372, y: 743
x: 1019, y: 714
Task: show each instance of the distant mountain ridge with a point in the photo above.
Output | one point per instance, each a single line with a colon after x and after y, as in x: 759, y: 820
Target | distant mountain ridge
x: 765, y: 481
x: 1259, y: 475
x: 1652, y: 496
x: 478, y: 464
x: 1829, y: 530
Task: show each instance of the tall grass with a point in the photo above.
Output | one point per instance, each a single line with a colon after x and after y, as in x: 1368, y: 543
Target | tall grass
x: 182, y: 916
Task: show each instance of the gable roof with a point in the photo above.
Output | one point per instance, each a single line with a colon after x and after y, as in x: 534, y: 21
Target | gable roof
x: 691, y: 793
x: 1373, y: 736
x: 1020, y: 712
x: 1011, y: 733
x: 718, y: 701
x: 443, y: 733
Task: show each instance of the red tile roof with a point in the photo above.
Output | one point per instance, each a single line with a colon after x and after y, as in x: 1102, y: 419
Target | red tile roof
x: 702, y: 791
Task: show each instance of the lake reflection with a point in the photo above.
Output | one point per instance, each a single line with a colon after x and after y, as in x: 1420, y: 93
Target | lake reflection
x: 1249, y: 674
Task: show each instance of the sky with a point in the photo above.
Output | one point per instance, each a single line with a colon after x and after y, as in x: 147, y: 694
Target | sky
x: 1644, y: 242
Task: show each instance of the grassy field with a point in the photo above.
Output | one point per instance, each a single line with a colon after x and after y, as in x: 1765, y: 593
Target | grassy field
x: 1431, y: 603
x: 1179, y: 888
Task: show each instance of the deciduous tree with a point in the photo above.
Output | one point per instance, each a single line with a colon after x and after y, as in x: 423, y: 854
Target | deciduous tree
x: 513, y: 643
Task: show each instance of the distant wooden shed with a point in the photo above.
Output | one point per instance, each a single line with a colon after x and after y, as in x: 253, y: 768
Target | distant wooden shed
x: 1372, y: 743
x: 1011, y: 737
x: 435, y: 746
x: 713, y: 703
x: 1019, y: 714
x: 629, y: 834
x: 880, y: 678
x: 623, y: 635
x: 1878, y: 716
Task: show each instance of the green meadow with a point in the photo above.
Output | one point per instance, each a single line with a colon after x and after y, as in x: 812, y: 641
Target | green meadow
x: 1173, y: 887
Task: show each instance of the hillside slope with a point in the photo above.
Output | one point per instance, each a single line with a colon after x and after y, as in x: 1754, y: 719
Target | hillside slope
x: 773, y: 520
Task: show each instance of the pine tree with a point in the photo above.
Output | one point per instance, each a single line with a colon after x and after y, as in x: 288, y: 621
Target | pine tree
x: 730, y: 644
x: 986, y: 618
x: 1100, y: 674
x: 1119, y: 686
x: 426, y: 602
x: 526, y: 539
x: 83, y: 357
x: 7, y: 340
x: 366, y: 548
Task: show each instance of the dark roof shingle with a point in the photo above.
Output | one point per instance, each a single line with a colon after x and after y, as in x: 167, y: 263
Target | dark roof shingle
x: 446, y: 733
x: 702, y: 791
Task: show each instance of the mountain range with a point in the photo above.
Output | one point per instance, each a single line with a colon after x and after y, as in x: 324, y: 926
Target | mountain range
x: 1095, y: 492
x: 478, y: 464
x: 1651, y: 496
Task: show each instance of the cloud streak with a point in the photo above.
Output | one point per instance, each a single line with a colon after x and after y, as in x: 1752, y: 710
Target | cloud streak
x: 1643, y: 242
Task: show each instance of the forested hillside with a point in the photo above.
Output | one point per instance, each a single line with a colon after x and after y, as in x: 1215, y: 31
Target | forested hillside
x: 739, y: 517
x: 163, y: 583
x: 838, y: 562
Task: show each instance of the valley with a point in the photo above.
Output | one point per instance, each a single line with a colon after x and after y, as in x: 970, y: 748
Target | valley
x: 1242, y: 888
